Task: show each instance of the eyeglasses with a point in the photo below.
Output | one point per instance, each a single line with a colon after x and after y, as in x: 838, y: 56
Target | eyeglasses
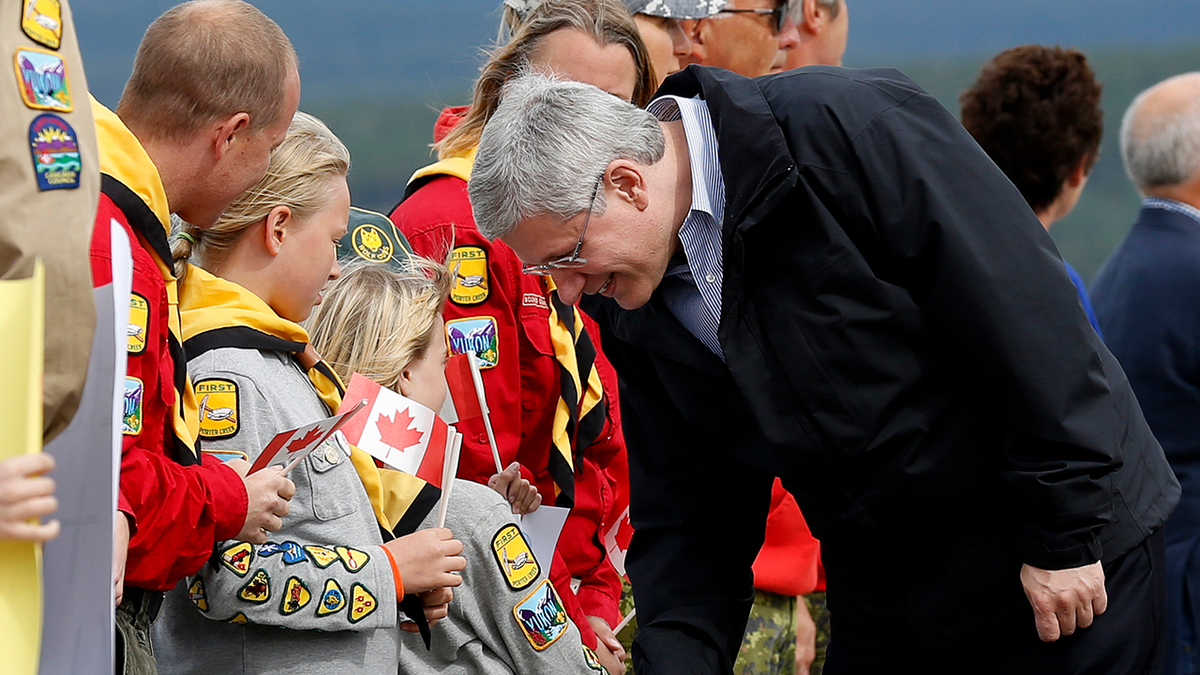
x: 778, y: 15
x: 571, y: 261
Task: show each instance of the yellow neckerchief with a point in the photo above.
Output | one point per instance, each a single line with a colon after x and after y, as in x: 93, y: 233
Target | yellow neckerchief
x: 124, y: 162
x: 210, y: 303
x: 578, y: 421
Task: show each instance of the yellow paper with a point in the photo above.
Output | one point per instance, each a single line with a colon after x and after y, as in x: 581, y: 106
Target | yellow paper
x: 22, y: 312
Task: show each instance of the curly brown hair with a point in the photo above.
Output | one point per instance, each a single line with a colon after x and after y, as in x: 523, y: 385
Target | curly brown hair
x: 1036, y: 112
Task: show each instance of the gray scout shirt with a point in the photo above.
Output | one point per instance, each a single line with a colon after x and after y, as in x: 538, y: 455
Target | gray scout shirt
x: 324, y: 575
x: 506, y: 616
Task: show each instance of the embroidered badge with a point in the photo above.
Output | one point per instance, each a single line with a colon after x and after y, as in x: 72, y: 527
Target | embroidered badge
x: 55, y: 149
x: 541, y: 616
x: 258, y: 589
x: 139, y: 318
x: 535, y: 300
x: 43, y: 79
x: 322, y: 556
x: 515, y: 557
x: 332, y: 599
x: 292, y: 553
x: 372, y: 243
x: 218, y: 408
x: 238, y: 558
x: 269, y: 549
x: 592, y: 661
x: 226, y: 455
x: 239, y: 618
x: 476, y: 334
x: 131, y: 417
x: 42, y: 22
x: 296, y: 597
x: 362, y: 603
x: 197, y: 596
x: 352, y: 559
x: 469, y: 265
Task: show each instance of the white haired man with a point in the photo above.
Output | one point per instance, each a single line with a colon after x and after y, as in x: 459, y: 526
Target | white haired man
x: 820, y: 276
x: 1147, y: 299
x: 824, y: 26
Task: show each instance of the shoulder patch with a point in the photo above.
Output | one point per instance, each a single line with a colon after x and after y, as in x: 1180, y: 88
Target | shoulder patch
x: 362, y: 603
x: 139, y: 317
x: 42, y: 22
x: 469, y: 265
x: 372, y: 243
x: 592, y: 661
x: 477, y: 334
x: 237, y: 558
x: 332, y: 599
x: 296, y: 596
x: 55, y: 147
x: 353, y: 559
x: 515, y: 557
x: 131, y: 415
x: 322, y: 556
x: 541, y: 616
x: 43, y: 79
x: 258, y: 589
x: 197, y: 595
x: 239, y: 618
x: 219, y: 411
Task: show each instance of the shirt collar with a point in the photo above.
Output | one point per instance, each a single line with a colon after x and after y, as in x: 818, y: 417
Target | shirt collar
x: 1172, y: 205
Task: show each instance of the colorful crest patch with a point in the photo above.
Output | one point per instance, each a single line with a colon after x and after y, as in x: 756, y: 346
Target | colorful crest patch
x: 139, y: 318
x: 292, y: 553
x: 515, y: 557
x: 239, y: 618
x: 56, y: 159
x: 352, y: 559
x: 372, y: 243
x: 238, y: 558
x: 43, y: 79
x: 269, y: 549
x: 42, y: 22
x: 258, y: 589
x: 226, y: 455
x: 362, y: 603
x: 477, y: 334
x: 592, y: 661
x: 296, y: 597
x: 332, y: 599
x: 322, y: 556
x: 469, y: 264
x: 541, y: 616
x: 197, y: 595
x: 131, y: 415
x: 218, y: 408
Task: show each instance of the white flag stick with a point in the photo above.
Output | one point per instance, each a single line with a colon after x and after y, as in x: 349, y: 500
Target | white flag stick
x: 449, y: 471
x: 487, y: 418
x: 625, y: 622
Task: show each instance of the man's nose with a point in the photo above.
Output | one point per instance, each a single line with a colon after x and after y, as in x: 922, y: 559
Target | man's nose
x: 789, y: 37
x: 570, y: 285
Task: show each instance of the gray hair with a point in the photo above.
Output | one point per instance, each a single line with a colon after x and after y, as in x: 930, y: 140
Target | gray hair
x: 546, y: 146
x: 1162, y: 150
x: 795, y: 8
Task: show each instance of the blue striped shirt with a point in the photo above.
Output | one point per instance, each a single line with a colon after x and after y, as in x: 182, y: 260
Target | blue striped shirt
x: 1173, y: 206
x: 692, y: 284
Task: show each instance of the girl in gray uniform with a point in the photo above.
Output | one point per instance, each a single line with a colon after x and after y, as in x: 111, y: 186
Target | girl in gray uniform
x: 506, y: 616
x: 333, y: 575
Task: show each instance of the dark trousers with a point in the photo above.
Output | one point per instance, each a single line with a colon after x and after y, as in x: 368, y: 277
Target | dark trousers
x: 1128, y: 639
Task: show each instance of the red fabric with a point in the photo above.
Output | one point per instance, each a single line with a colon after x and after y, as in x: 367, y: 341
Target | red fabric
x: 176, y: 512
x: 447, y: 120
x: 788, y: 561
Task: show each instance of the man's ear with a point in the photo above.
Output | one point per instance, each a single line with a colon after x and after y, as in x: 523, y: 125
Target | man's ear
x: 628, y: 179
x: 814, y: 18
x: 1079, y: 174
x: 275, y: 228
x: 697, y: 32
x: 229, y: 131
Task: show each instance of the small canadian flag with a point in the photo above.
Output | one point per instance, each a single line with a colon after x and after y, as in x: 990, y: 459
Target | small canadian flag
x: 616, y: 541
x: 398, y: 431
x: 296, y: 444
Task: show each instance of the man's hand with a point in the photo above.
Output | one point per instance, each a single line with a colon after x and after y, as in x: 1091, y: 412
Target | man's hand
x: 267, y: 495
x: 427, y: 560
x: 120, y: 555
x: 806, y: 638
x: 608, y: 648
x: 25, y: 494
x: 437, y: 606
x: 1064, y: 600
x: 520, y: 493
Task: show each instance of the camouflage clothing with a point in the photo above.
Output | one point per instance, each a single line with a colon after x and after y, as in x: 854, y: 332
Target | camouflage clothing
x: 769, y: 647
x: 820, y: 615
x: 630, y: 629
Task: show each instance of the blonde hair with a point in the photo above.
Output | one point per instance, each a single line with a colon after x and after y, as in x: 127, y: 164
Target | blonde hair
x: 605, y: 21
x: 297, y: 177
x: 375, y: 321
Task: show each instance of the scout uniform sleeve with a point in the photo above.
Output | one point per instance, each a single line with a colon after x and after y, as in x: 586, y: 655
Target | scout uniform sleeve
x: 293, y: 581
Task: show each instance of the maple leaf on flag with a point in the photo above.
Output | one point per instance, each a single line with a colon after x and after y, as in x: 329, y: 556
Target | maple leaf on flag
x: 302, y: 442
x: 398, y: 431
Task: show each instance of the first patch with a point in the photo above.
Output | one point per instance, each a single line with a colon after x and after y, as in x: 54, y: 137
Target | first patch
x: 470, y: 268
x: 42, y: 76
x: 55, y: 150
x: 515, y: 557
x: 541, y: 616
x: 42, y: 22
x: 139, y: 319
x: 218, y: 408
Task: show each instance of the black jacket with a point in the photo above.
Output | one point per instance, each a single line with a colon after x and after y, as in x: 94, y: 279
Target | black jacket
x: 902, y: 346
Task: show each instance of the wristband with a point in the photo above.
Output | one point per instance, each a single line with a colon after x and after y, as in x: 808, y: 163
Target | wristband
x: 396, y: 572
